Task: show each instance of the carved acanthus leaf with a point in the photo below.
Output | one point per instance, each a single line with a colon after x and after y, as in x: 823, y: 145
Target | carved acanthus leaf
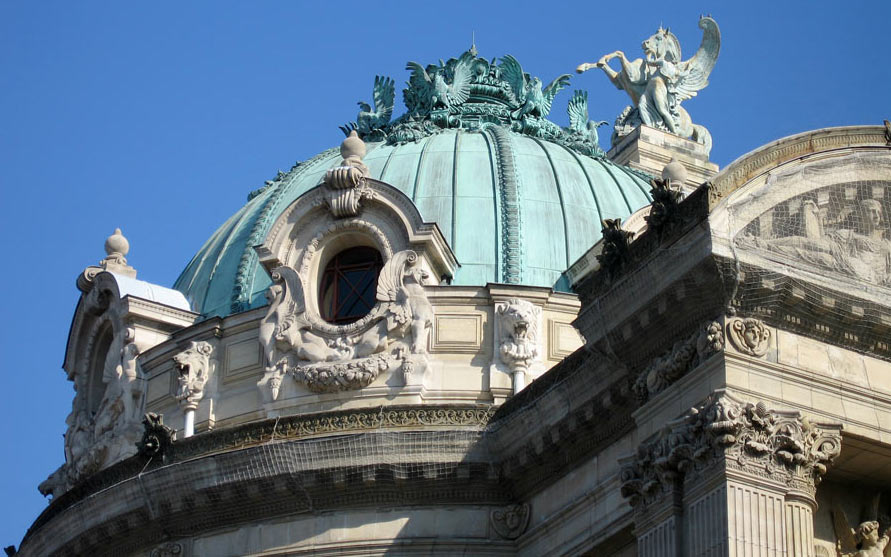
x: 780, y: 445
x: 156, y: 437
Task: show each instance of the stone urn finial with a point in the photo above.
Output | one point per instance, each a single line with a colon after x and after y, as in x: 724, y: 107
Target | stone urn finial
x: 117, y: 247
x: 352, y: 148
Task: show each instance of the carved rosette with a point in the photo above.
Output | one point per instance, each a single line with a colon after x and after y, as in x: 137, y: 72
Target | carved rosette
x: 749, y: 335
x: 751, y: 438
x: 193, y: 367
x: 685, y: 355
x: 511, y: 521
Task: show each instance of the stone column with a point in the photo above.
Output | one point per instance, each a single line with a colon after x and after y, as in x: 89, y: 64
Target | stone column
x: 746, y: 477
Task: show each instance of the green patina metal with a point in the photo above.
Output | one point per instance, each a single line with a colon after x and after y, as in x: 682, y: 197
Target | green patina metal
x: 470, y: 92
x: 516, y: 195
x: 511, y: 219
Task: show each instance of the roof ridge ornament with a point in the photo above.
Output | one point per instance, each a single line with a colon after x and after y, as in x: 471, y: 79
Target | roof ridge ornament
x: 346, y: 183
x: 116, y: 249
x: 471, y: 92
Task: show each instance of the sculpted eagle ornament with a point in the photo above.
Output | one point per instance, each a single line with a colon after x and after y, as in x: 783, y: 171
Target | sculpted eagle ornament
x: 531, y: 99
x: 578, y: 117
x: 442, y: 86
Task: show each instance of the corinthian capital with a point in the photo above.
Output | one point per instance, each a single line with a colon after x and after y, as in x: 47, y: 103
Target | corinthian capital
x: 725, y: 431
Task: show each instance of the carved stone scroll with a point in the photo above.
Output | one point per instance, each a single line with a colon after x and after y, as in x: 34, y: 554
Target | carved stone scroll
x: 346, y: 183
x: 685, y: 355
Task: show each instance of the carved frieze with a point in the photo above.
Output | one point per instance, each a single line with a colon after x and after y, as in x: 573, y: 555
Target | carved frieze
x: 193, y: 366
x: 511, y: 521
x: 780, y: 445
x: 685, y: 355
x: 749, y: 335
x: 328, y: 358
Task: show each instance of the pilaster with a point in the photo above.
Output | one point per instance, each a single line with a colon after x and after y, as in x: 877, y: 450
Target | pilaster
x: 739, y: 478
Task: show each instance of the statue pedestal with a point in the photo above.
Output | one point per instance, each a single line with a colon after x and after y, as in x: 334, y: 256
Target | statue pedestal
x: 650, y: 149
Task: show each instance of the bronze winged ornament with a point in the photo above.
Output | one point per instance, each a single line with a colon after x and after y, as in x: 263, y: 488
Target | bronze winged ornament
x: 532, y: 100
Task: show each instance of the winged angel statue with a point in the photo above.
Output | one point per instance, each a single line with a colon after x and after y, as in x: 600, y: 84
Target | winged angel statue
x: 532, y: 100
x: 867, y: 540
x: 658, y: 83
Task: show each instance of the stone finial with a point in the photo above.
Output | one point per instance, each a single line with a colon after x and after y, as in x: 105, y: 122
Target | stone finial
x: 116, y: 248
x: 346, y: 183
x: 675, y: 172
x: 353, y: 151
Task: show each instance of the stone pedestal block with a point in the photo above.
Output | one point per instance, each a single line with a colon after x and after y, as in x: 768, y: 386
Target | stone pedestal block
x: 649, y: 149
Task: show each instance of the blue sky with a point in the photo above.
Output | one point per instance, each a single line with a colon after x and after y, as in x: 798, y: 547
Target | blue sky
x: 159, y: 118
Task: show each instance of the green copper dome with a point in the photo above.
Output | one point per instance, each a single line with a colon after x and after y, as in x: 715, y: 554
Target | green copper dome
x: 518, y: 198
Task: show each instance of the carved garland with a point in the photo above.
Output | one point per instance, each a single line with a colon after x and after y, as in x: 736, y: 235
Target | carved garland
x: 780, y: 445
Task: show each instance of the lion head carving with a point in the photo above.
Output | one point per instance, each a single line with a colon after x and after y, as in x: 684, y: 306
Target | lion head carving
x: 518, y: 335
x: 193, y: 367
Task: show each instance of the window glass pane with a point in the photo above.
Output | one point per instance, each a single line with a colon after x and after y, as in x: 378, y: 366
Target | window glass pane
x: 348, y: 286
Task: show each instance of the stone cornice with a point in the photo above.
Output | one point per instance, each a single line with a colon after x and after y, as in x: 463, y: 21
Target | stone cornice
x: 790, y: 148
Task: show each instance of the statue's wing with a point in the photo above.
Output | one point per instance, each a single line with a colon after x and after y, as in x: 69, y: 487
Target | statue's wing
x: 693, y: 74
x: 551, y: 91
x: 389, y: 282
x: 293, y: 303
x: 419, y: 85
x: 843, y: 531
x: 578, y: 111
x: 384, y: 95
x: 459, y: 91
x: 391, y: 288
x: 513, y: 74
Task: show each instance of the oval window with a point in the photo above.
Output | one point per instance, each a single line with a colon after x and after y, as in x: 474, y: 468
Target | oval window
x: 349, y: 284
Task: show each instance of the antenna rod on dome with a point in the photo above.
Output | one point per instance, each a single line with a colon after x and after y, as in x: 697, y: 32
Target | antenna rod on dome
x: 473, y: 43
